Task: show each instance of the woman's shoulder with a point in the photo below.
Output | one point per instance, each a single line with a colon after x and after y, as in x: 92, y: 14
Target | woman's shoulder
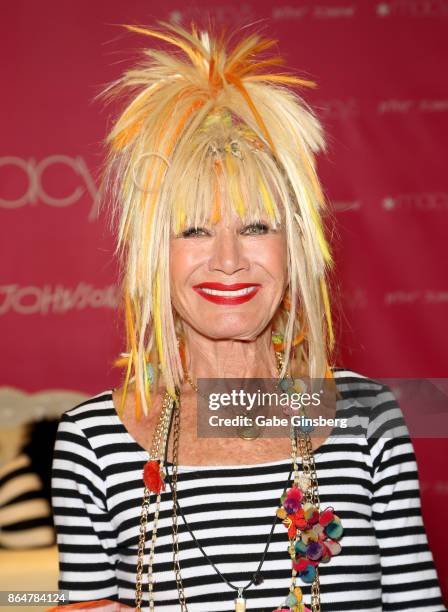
x: 98, y: 407
x: 103, y: 421
x: 345, y: 373
x: 94, y: 425
x: 370, y: 405
x: 351, y: 383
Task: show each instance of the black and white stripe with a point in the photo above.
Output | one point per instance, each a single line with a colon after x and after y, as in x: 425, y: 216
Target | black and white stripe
x: 371, y: 482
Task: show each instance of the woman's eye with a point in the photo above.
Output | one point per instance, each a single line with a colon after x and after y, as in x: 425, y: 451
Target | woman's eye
x: 257, y: 228
x: 193, y: 231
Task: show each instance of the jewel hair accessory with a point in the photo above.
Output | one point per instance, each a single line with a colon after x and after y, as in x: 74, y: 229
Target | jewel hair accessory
x: 313, y: 534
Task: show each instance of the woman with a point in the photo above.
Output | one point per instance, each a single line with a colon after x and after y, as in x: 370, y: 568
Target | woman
x: 211, y: 171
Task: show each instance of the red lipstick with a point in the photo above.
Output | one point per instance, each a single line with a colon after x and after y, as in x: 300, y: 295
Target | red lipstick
x: 219, y: 293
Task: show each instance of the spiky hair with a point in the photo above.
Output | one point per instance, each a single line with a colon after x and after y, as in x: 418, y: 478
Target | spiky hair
x: 208, y: 129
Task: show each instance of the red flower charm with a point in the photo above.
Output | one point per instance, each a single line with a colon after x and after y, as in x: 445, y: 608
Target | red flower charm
x: 152, y: 477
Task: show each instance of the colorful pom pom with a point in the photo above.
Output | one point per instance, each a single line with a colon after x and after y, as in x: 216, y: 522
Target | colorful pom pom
x: 308, y: 574
x: 301, y: 564
x: 326, y: 516
x: 294, y: 493
x: 314, y: 551
x: 291, y: 505
x: 310, y: 536
x: 326, y: 555
x: 334, y: 529
x: 320, y: 532
x: 300, y: 547
x: 311, y: 513
x: 334, y: 547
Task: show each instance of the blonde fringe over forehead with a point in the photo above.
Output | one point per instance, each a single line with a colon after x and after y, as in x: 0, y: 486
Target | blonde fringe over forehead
x: 208, y: 130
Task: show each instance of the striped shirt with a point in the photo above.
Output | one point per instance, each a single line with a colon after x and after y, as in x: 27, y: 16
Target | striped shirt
x: 370, y: 481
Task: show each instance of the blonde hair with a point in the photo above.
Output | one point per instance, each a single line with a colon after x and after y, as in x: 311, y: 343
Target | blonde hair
x: 208, y: 129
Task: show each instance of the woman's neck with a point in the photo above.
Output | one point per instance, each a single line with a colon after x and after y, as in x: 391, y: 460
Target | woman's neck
x: 235, y: 358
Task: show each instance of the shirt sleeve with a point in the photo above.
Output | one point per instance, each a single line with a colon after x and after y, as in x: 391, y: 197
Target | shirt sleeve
x: 85, y: 536
x: 409, y: 579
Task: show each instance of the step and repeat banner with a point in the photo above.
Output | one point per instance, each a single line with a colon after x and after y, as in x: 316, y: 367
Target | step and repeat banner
x: 382, y: 96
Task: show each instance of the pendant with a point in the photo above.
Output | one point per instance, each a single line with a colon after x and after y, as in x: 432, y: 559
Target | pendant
x: 249, y: 432
x: 240, y: 602
x: 153, y: 476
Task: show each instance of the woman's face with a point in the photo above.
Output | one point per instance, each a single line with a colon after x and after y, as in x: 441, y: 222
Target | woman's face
x: 228, y: 279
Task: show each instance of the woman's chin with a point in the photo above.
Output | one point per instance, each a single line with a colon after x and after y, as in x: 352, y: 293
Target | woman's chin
x: 244, y: 331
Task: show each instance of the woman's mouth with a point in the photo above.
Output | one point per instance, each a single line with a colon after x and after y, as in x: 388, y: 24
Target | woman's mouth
x: 219, y: 293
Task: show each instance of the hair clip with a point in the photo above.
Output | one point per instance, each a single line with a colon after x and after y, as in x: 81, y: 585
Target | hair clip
x: 232, y: 147
x: 235, y: 149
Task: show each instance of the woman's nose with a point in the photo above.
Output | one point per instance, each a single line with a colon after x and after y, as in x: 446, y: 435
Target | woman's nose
x: 228, y: 253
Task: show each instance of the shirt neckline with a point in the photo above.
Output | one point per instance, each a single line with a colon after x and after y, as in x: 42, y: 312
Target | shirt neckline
x: 212, y: 467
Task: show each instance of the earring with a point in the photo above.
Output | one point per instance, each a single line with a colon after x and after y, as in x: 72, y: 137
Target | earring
x: 150, y: 373
x: 277, y: 340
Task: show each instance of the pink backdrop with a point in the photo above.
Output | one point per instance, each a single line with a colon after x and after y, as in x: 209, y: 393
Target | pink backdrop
x: 381, y: 69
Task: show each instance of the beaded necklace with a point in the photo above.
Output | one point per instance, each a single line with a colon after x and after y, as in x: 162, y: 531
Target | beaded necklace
x: 313, y: 534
